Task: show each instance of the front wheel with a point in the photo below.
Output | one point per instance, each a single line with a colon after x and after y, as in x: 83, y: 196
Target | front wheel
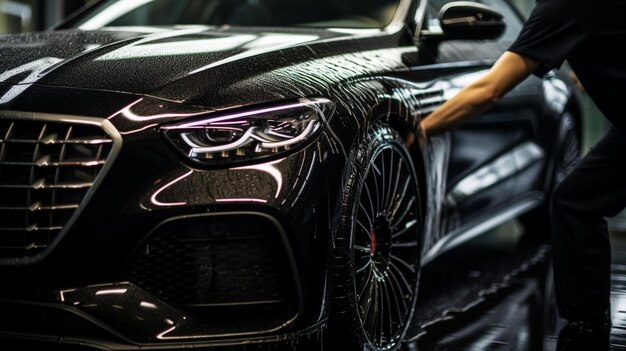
x: 378, y: 246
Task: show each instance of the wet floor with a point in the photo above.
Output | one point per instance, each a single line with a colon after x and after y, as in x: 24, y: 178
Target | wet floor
x: 496, y: 294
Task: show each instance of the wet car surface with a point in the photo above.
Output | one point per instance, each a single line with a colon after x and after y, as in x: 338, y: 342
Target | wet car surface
x: 176, y: 184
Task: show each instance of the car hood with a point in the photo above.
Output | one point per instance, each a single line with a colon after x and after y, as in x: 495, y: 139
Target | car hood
x: 142, y: 62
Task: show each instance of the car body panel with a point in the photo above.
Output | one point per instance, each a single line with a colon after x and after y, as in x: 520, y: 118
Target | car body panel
x: 143, y: 61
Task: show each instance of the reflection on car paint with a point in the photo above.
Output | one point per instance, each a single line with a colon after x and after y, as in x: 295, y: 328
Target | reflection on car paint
x: 499, y: 169
x: 36, y: 68
x: 144, y: 49
x: 154, y: 200
x: 127, y: 112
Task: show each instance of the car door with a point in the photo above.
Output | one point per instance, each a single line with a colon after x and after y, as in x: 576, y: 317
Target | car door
x: 485, y: 156
x: 488, y: 154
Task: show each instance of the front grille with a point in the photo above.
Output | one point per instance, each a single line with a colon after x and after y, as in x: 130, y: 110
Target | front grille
x: 232, y: 273
x: 47, y: 166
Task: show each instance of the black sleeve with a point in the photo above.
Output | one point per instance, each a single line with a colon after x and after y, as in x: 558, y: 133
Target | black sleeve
x: 553, y: 30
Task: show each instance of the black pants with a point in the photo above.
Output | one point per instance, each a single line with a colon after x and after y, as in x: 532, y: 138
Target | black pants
x: 595, y: 189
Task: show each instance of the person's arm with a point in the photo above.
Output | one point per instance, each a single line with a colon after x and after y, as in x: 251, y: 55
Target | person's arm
x: 480, y: 96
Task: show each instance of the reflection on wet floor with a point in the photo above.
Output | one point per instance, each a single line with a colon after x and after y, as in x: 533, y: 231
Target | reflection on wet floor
x: 485, y: 295
x: 496, y: 294
x: 618, y: 292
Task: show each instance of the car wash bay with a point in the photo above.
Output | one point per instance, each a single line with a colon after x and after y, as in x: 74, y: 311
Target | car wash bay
x: 478, y: 297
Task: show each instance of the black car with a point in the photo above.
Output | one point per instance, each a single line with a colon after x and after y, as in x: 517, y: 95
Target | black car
x: 180, y: 173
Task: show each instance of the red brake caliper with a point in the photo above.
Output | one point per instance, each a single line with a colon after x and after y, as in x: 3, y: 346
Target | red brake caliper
x: 373, y: 243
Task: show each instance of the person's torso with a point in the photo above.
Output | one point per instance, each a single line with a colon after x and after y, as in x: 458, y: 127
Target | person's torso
x: 600, y: 61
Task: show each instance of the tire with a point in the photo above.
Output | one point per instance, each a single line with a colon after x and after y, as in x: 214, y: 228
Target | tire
x: 566, y: 156
x: 378, y: 247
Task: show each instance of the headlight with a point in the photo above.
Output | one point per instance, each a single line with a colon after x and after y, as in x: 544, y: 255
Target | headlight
x: 250, y: 135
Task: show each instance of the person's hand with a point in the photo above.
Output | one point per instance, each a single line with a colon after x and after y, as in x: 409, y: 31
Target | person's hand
x: 481, y: 95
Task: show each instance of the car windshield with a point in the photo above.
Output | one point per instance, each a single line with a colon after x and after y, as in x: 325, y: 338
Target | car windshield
x: 311, y: 13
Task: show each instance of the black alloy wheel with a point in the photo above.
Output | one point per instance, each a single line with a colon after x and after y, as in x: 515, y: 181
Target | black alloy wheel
x: 377, y: 260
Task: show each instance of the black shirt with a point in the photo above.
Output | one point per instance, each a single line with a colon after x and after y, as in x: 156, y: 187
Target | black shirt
x: 591, y: 35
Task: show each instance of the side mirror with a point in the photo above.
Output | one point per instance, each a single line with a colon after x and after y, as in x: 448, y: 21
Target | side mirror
x: 470, y: 20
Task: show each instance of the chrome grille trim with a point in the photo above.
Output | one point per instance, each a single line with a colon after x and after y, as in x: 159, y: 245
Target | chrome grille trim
x: 46, y: 163
x: 110, y: 142
x: 55, y: 141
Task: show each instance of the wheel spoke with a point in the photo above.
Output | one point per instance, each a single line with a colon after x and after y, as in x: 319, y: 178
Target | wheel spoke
x: 362, y: 268
x: 376, y: 170
x: 399, y: 290
x: 406, y: 211
x: 365, y: 284
x: 392, y: 274
x: 371, y: 319
x: 367, y: 216
x: 393, y: 193
x: 388, y: 300
x: 367, y: 232
x: 405, y: 188
x: 405, y: 230
x: 403, y: 263
x: 381, y: 312
x: 384, y: 185
x: 390, y: 177
x: 402, y: 278
x: 373, y: 211
x: 362, y: 248
x: 369, y: 287
x: 368, y: 264
x: 396, y: 294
